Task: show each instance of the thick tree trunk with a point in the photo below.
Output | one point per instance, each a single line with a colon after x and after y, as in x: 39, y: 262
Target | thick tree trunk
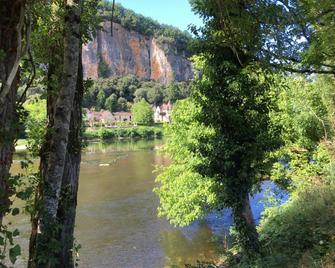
x: 245, y: 226
x: 45, y: 245
x: 68, y: 204
x: 63, y: 109
x: 11, y: 19
x: 68, y: 200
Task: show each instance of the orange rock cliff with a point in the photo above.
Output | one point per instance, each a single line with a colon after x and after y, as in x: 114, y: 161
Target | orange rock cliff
x: 128, y: 52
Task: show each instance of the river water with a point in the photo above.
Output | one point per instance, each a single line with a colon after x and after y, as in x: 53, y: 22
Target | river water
x: 117, y: 224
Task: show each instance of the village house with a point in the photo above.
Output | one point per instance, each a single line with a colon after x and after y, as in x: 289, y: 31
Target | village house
x: 106, y: 118
x: 162, y: 113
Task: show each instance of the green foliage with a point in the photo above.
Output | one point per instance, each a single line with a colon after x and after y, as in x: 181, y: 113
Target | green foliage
x: 291, y: 35
x: 143, y: 113
x: 233, y: 99
x: 185, y: 195
x: 145, y: 132
x: 35, y: 124
x: 301, y: 232
x: 154, y: 95
x: 89, y: 19
x: 115, y: 93
x: 111, y: 103
x: 305, y: 115
x: 8, y: 246
x: 103, y: 68
x: 21, y: 186
x: 303, y: 112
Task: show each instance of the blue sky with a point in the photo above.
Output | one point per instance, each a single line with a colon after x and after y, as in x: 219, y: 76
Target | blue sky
x: 173, y: 12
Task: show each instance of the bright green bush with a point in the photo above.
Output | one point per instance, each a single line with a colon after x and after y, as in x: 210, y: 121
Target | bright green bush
x: 143, y: 113
x: 35, y: 124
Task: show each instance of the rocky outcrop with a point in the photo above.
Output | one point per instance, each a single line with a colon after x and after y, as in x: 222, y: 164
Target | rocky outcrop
x: 128, y: 52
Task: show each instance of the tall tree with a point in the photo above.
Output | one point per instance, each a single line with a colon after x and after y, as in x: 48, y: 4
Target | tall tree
x: 66, y: 213
x: 232, y: 96
x: 55, y: 247
x: 43, y: 250
x: 12, y: 16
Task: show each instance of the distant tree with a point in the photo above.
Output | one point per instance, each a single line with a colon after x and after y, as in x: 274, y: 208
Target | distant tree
x: 132, y: 89
x: 122, y: 104
x: 103, y: 68
x: 140, y: 93
x: 155, y: 95
x: 143, y: 113
x: 111, y: 103
x: 172, y: 92
x: 101, y: 98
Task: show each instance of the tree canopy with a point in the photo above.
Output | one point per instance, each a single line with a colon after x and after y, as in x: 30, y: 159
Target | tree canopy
x: 115, y: 92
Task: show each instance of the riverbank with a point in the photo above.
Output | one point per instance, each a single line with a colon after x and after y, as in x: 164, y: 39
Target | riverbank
x: 115, y: 133
x: 139, y: 132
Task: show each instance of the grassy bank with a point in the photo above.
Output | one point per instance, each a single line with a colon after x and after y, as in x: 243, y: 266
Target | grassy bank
x: 142, y: 132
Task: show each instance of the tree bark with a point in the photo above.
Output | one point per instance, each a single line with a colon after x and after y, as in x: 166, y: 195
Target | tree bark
x: 11, y: 17
x: 68, y: 203
x: 63, y: 109
x: 53, y: 69
x: 45, y: 244
x: 245, y: 226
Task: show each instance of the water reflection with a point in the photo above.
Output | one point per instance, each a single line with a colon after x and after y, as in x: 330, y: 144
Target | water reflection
x: 117, y: 222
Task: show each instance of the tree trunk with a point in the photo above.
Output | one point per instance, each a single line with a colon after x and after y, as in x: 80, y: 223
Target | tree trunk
x: 11, y: 21
x: 45, y: 244
x: 44, y: 153
x: 68, y: 202
x: 245, y: 226
x: 63, y: 109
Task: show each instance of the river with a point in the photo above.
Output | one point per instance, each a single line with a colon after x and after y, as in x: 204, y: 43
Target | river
x: 117, y: 224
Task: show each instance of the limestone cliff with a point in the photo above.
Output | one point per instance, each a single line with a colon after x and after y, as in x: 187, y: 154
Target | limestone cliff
x: 128, y: 52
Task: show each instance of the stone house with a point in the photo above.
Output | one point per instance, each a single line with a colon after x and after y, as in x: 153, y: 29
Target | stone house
x: 106, y: 118
x: 162, y: 113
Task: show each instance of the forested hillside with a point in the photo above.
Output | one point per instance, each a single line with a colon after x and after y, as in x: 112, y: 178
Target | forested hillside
x: 119, y: 93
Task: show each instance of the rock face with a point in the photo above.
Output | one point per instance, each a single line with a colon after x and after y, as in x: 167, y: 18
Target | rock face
x: 128, y: 52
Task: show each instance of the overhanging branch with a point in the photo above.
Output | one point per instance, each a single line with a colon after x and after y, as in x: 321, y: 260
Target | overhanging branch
x: 303, y: 71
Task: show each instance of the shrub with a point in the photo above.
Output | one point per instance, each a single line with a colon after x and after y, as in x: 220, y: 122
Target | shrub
x: 105, y: 134
x: 130, y: 132
x: 301, y: 233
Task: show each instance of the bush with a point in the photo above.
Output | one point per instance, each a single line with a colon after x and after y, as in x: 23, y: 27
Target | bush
x: 301, y: 233
x: 145, y: 132
x: 143, y: 113
x: 105, y: 134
